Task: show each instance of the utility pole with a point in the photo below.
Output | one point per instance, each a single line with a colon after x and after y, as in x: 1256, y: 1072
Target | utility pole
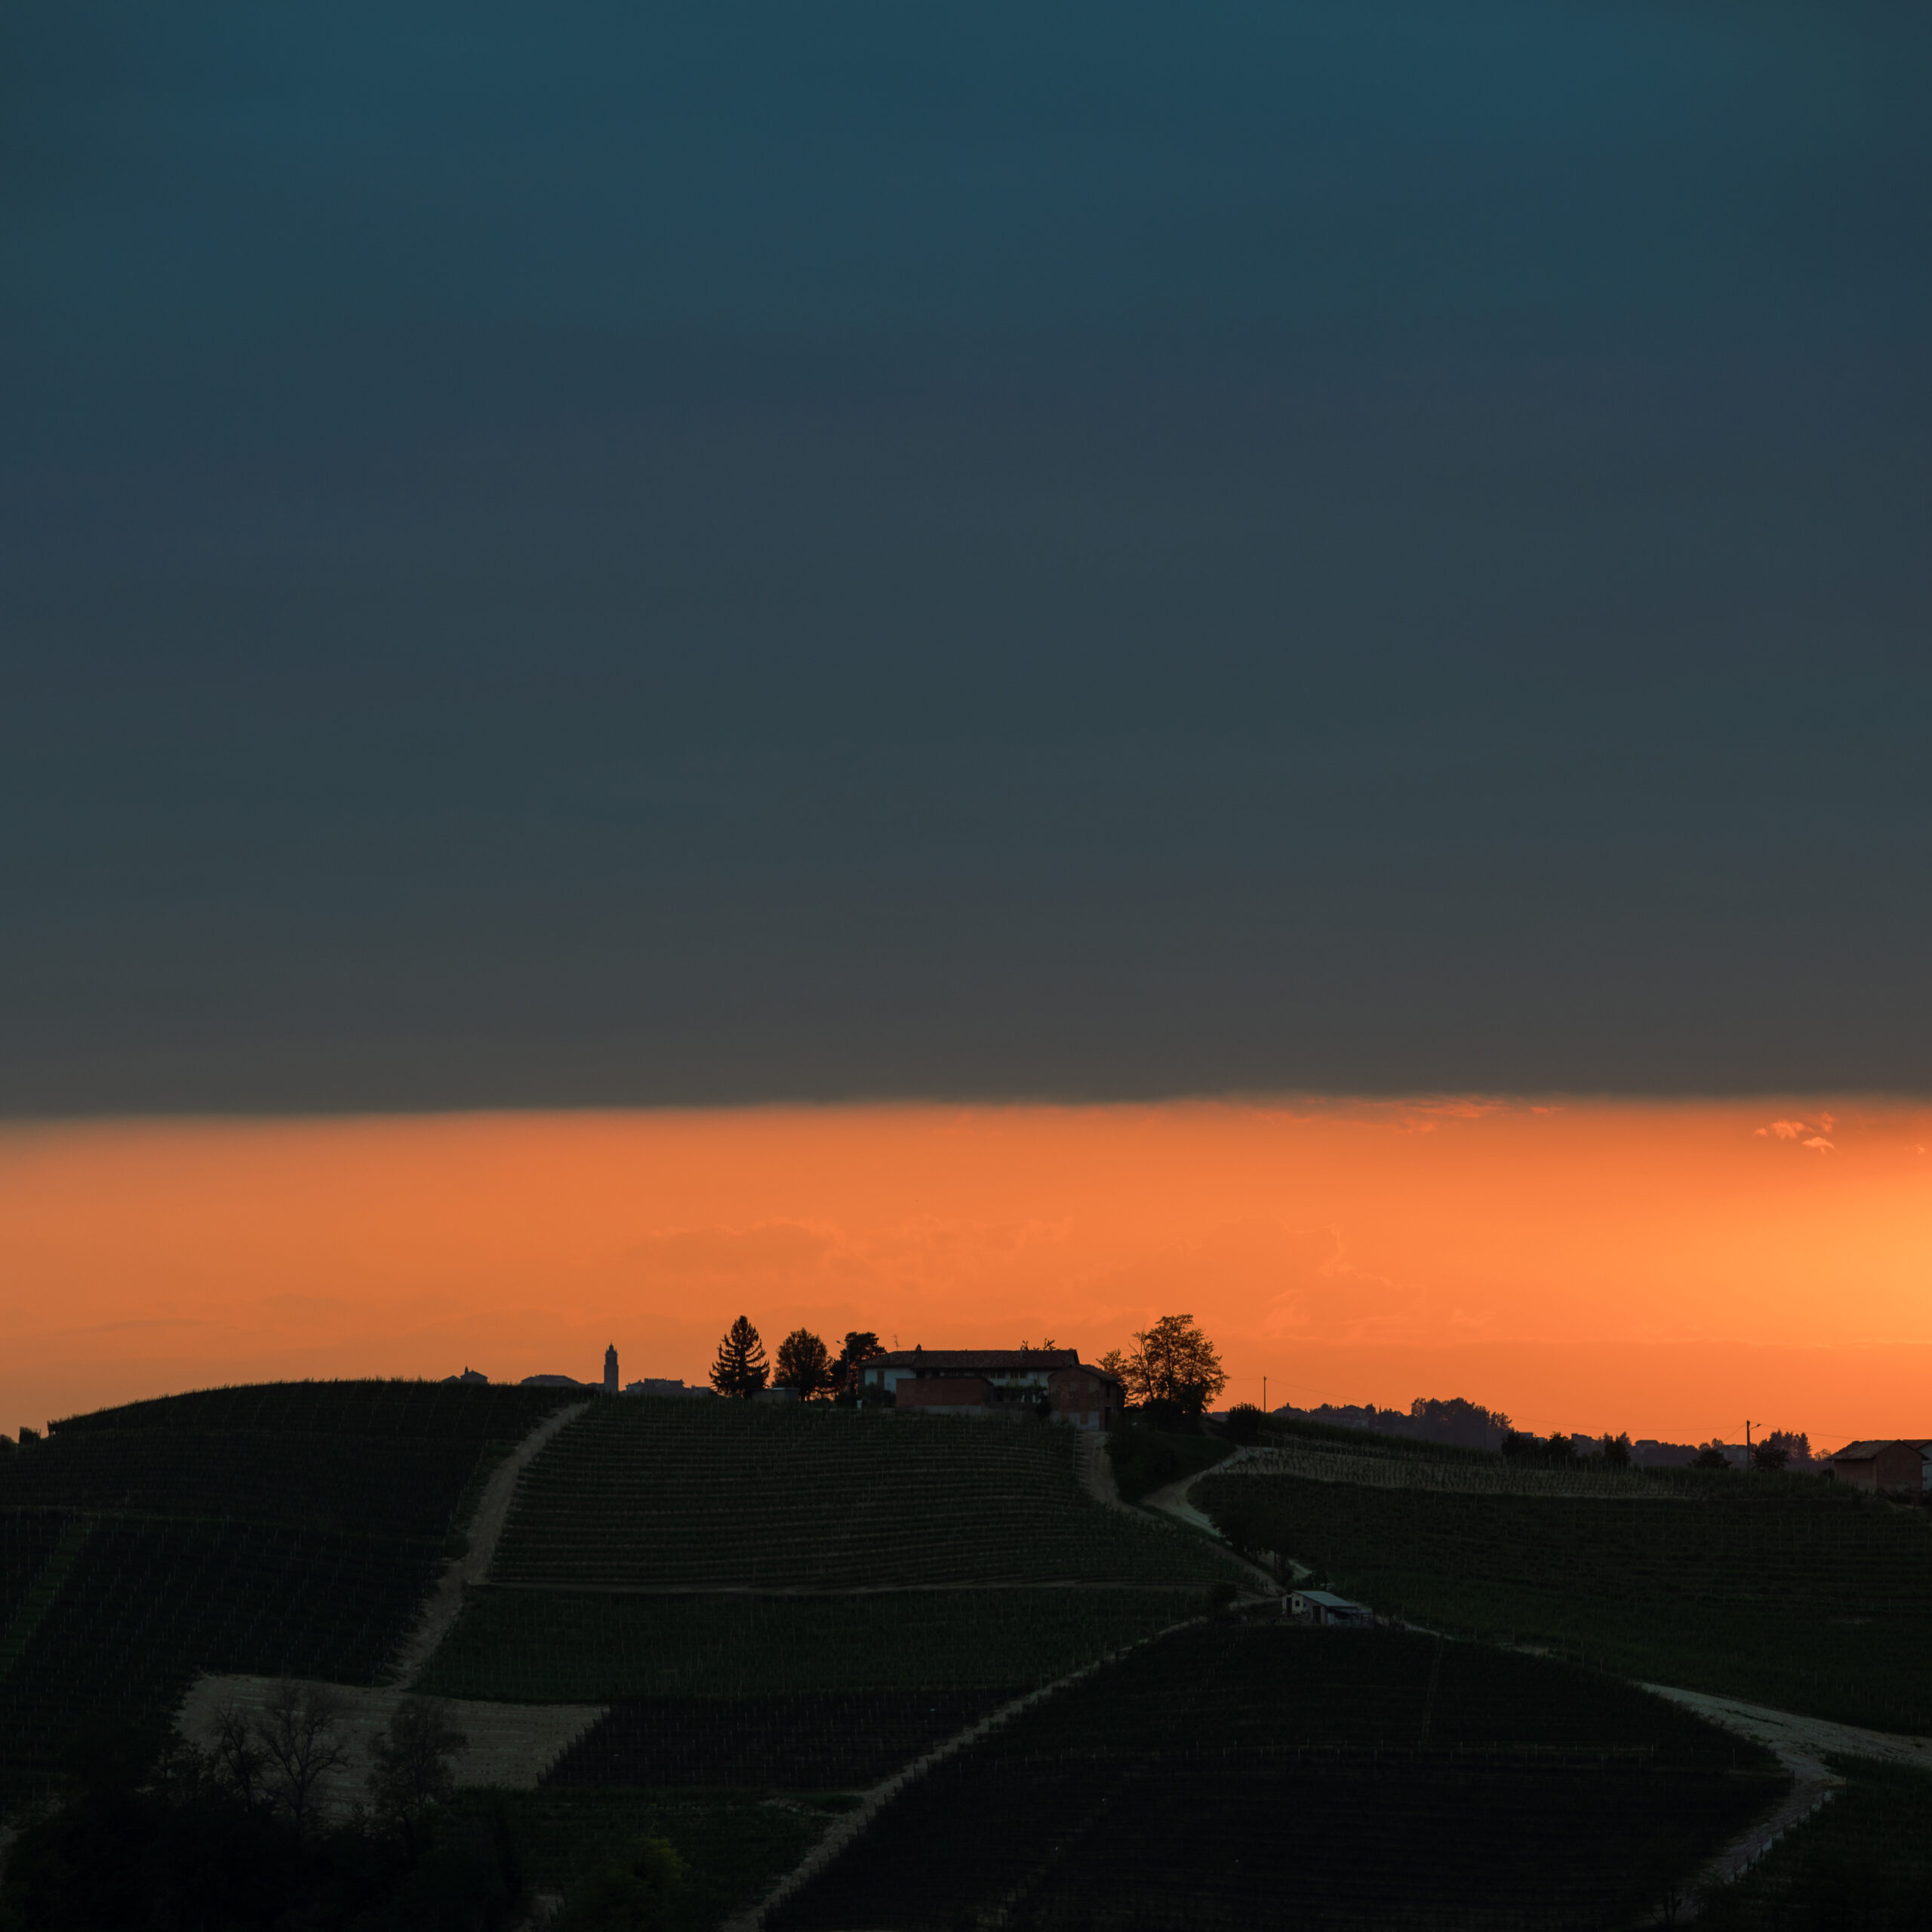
x: 1747, y: 1442
x: 1264, y: 1395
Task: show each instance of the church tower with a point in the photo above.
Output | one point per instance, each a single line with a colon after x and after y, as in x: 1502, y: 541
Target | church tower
x: 611, y: 1369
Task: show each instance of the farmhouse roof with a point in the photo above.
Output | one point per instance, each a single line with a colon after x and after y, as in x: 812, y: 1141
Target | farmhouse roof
x: 1098, y: 1374
x: 1867, y: 1452
x: 940, y: 1360
x: 1328, y: 1600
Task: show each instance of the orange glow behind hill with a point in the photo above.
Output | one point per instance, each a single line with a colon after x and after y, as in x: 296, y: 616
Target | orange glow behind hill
x: 1667, y: 1269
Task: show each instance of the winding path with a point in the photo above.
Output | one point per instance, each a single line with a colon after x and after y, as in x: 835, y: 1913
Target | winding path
x: 486, y: 1530
x: 850, y: 1824
x: 1171, y: 1500
x: 1097, y: 1477
x: 1800, y: 1744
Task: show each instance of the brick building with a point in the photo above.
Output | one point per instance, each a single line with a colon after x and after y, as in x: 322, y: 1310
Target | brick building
x: 995, y: 1382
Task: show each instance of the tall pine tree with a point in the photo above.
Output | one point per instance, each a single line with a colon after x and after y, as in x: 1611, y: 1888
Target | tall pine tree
x: 740, y: 1368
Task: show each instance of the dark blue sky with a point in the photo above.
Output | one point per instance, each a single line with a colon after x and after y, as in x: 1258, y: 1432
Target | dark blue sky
x: 609, y: 554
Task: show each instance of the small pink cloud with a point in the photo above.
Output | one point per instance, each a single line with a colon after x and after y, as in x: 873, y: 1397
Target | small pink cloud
x: 1826, y: 1122
x: 1784, y: 1130
x: 1819, y: 1145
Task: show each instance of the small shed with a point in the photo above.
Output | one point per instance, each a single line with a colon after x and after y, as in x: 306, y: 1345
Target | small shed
x: 1887, y: 1467
x: 1323, y: 1606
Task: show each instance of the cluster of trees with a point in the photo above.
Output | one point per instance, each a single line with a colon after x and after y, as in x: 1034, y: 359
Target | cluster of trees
x: 804, y: 1363
x: 1777, y: 1449
x: 1464, y: 1424
x: 1560, y: 1451
x: 237, y: 1836
x: 1172, y: 1366
x: 1782, y: 1446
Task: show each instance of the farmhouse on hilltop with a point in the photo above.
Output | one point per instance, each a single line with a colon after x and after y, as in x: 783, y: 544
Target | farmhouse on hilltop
x: 995, y: 1382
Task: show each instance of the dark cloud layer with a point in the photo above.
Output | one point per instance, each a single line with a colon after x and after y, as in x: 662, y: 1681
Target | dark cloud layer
x: 722, y: 553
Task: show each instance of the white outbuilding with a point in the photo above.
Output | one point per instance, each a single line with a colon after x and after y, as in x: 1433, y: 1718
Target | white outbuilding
x: 1323, y: 1606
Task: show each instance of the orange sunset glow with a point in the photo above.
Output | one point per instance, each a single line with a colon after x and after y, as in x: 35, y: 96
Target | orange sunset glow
x: 1669, y: 1269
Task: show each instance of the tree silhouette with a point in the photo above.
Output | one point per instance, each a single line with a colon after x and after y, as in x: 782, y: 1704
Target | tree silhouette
x: 1173, y: 1361
x: 413, y: 1774
x: 860, y: 1346
x: 804, y: 1363
x: 300, y: 1731
x: 740, y: 1368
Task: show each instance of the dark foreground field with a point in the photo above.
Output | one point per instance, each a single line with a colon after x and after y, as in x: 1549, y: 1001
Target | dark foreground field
x: 775, y: 1611
x: 1240, y: 1774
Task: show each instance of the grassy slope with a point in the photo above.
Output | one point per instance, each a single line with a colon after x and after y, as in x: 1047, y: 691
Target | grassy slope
x: 1255, y: 1774
x: 664, y: 1493
x: 1734, y: 1589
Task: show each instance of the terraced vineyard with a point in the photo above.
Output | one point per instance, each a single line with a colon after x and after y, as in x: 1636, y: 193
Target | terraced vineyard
x: 1863, y: 1861
x: 583, y: 1647
x: 375, y: 1485
x: 653, y: 1494
x: 823, y: 1741
x: 460, y: 1411
x: 1476, y: 1476
x: 1248, y: 1774
x: 290, y: 1541
x: 27, y: 1539
x: 1796, y: 1596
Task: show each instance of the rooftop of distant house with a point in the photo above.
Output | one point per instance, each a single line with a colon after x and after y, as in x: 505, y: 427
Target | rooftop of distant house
x: 980, y: 1358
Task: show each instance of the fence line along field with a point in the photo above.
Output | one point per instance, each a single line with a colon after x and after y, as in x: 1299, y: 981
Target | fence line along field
x: 664, y: 1493
x: 1790, y: 1592
x: 1243, y: 1774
